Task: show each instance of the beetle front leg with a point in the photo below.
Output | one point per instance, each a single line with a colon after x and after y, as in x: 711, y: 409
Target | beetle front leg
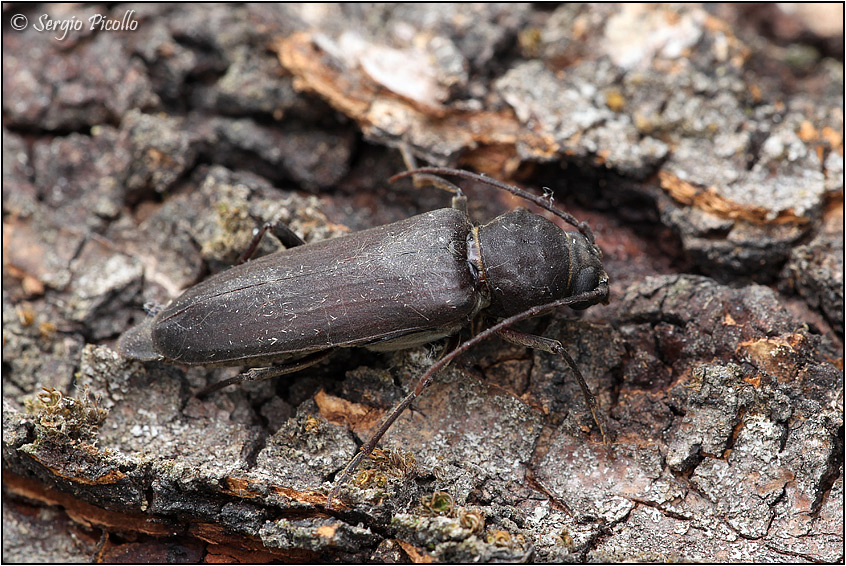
x: 555, y: 347
x: 260, y: 374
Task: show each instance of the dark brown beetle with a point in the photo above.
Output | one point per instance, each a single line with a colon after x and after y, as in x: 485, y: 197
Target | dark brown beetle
x: 390, y: 287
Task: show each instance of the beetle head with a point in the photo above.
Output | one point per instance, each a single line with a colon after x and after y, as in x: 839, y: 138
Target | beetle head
x: 529, y: 261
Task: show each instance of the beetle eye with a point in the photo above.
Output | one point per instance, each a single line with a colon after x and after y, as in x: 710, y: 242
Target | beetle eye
x: 585, y: 281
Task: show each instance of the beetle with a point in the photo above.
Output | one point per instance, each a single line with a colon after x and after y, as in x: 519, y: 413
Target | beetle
x: 390, y: 287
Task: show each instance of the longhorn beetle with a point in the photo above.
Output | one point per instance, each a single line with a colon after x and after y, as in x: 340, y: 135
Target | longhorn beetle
x: 387, y: 288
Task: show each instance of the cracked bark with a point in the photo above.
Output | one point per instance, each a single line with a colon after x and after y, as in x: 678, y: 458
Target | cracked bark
x: 711, y: 175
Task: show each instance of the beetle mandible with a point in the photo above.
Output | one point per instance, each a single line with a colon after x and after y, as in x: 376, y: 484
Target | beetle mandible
x: 391, y: 287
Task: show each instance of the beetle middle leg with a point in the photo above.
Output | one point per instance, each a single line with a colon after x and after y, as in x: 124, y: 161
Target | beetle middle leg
x: 260, y: 374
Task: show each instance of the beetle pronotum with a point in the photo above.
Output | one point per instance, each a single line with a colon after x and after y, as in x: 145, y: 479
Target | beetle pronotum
x: 364, y: 289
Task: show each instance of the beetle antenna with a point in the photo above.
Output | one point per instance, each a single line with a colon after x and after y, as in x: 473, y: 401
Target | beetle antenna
x: 594, y: 296
x: 539, y: 201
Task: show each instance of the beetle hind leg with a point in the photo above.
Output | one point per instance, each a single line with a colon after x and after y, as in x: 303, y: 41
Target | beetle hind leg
x: 260, y: 374
x: 285, y: 235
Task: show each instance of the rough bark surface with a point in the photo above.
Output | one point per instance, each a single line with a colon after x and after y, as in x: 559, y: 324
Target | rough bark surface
x: 704, y: 148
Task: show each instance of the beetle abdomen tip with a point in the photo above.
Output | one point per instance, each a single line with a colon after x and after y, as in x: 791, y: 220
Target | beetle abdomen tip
x: 137, y: 343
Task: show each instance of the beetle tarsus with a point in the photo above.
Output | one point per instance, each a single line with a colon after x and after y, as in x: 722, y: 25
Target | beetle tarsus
x: 539, y: 201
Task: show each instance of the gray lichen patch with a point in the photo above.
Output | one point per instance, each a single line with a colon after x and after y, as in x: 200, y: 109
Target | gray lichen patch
x: 304, y: 453
x: 467, y: 442
x: 717, y: 396
x: 318, y: 535
x: 577, y: 118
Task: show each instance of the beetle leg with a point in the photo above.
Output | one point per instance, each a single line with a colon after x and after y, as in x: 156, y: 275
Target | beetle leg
x: 459, y: 201
x: 555, y: 347
x: 591, y: 297
x: 260, y: 374
x: 407, y: 156
x: 452, y: 343
x: 284, y: 234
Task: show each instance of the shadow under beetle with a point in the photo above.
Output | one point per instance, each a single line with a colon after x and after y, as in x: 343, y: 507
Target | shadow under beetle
x: 387, y: 288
